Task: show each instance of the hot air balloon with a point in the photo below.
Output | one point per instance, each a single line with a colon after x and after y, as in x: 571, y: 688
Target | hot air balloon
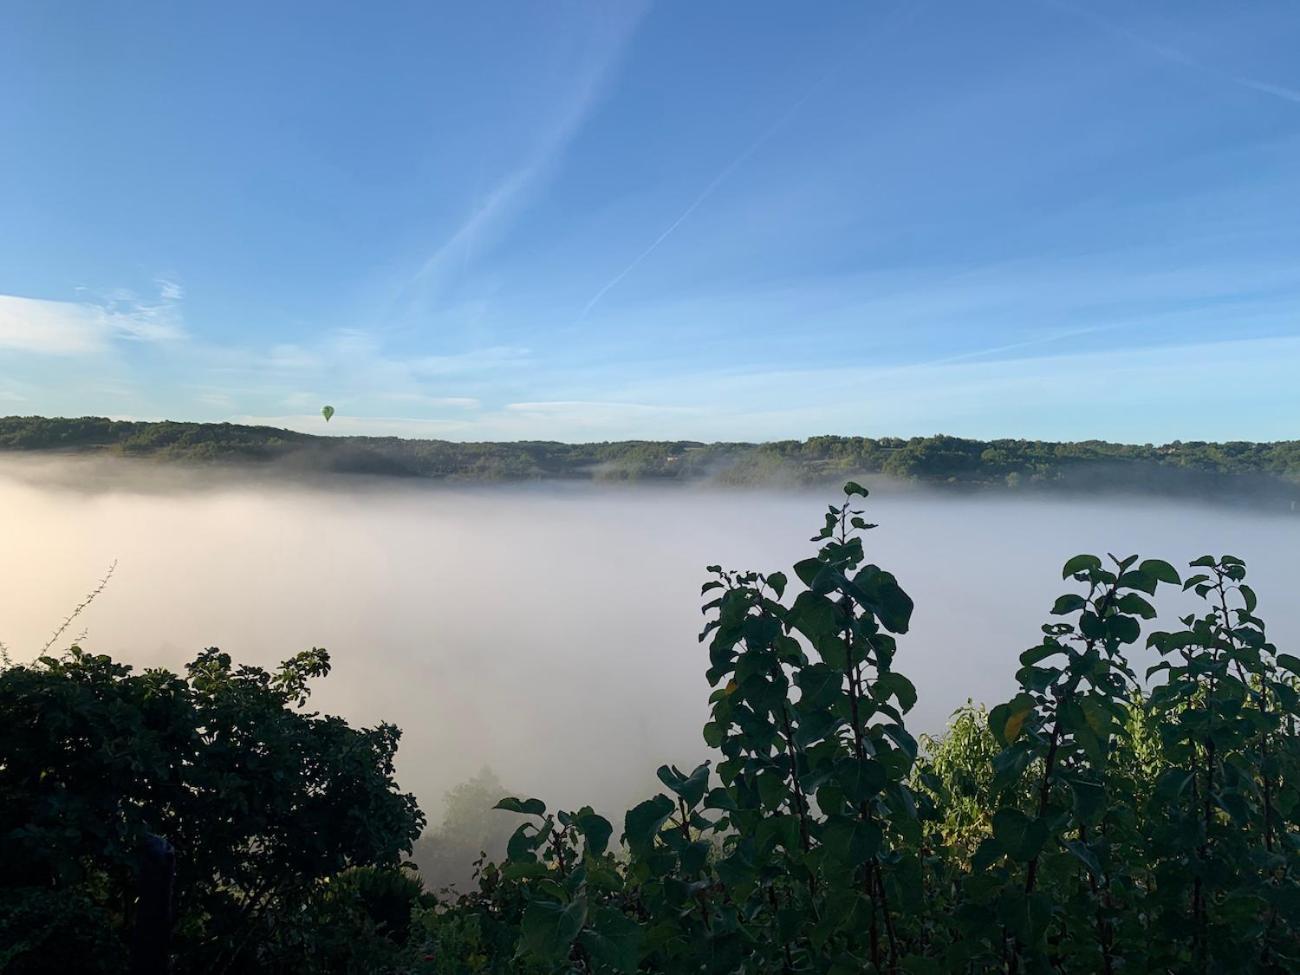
x: 327, y: 412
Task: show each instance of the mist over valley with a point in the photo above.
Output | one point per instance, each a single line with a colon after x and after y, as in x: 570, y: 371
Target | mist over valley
x: 549, y: 632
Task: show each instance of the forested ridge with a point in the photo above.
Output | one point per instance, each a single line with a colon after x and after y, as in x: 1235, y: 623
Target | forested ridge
x: 1133, y: 807
x: 1233, y: 470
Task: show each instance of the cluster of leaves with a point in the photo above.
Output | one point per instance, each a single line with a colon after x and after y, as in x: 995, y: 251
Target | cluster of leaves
x: 1113, y: 815
x: 1098, y: 821
x: 1267, y: 471
x: 269, y: 808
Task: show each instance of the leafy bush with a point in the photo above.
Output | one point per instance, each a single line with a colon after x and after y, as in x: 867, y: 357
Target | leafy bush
x: 1117, y: 814
x: 1098, y: 821
x: 261, y: 800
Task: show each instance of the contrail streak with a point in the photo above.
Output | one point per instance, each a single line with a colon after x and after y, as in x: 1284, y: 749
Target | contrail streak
x: 1176, y: 56
x: 708, y: 190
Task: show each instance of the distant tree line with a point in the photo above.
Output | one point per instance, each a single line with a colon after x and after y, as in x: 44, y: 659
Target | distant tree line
x: 1237, y: 469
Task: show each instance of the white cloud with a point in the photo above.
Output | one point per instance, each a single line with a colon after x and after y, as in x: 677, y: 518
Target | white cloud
x: 422, y: 399
x: 50, y: 327
x: 169, y: 290
x: 85, y: 327
x: 1240, y: 389
x: 578, y: 409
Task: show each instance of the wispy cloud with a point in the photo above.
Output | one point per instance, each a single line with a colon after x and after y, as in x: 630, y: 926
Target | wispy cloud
x: 709, y: 189
x: 579, y: 407
x: 169, y: 289
x: 421, y: 399
x: 614, y: 27
x: 1030, y: 396
x: 85, y: 327
x: 1175, y: 56
x: 359, y: 374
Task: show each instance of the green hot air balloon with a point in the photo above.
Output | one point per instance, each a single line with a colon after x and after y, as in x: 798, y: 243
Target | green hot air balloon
x: 327, y: 412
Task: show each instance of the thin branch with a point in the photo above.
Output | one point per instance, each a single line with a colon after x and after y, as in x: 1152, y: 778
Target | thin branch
x: 90, y: 598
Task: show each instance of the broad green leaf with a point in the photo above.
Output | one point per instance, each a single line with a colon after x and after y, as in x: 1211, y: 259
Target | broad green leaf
x: 523, y: 843
x: 1021, y: 837
x: 595, y: 828
x: 548, y: 928
x: 1160, y: 570
x: 777, y: 580
x: 1172, y: 783
x: 895, y: 685
x: 860, y: 780
x: 1289, y: 662
x: 820, y: 686
x: 691, y: 788
x: 1068, y: 603
x: 808, y: 569
x: 887, y: 599
x: 1089, y: 799
x: 642, y: 823
x: 529, y: 807
x: 1084, y: 855
x: 852, y: 841
x: 714, y: 734
x: 1138, y: 579
x: 813, y: 616
x: 613, y: 940
x: 1007, y: 720
x: 1039, y: 653
x: 1080, y: 563
x: 1135, y: 605
x: 1125, y: 629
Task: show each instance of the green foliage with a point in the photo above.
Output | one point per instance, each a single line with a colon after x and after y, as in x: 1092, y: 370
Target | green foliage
x: 1097, y: 821
x: 262, y: 801
x: 1267, y: 472
x: 956, y: 775
x: 1134, y: 806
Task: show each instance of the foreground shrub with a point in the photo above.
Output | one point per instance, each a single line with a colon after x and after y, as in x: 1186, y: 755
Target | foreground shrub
x: 1126, y: 811
x: 1103, y: 819
x: 261, y: 800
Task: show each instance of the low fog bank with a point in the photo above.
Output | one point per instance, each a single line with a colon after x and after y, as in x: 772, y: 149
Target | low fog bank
x: 547, y: 632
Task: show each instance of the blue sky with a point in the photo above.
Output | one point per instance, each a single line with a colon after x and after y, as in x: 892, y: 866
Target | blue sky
x: 595, y: 220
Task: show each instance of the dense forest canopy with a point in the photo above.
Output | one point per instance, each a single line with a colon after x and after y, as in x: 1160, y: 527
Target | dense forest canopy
x: 1239, y: 469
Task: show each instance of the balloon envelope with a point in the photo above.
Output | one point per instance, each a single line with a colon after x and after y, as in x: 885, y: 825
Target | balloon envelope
x: 327, y: 412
